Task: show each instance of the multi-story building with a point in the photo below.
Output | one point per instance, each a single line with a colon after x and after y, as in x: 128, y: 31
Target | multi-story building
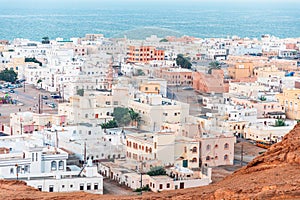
x: 210, y: 83
x: 144, y: 54
x: 155, y: 110
x: 175, y: 76
x: 241, y: 70
x: 45, y: 168
x: 290, y: 99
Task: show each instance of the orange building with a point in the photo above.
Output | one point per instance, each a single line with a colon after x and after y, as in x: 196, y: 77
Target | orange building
x: 175, y: 76
x: 144, y: 54
x: 241, y: 70
x: 209, y: 83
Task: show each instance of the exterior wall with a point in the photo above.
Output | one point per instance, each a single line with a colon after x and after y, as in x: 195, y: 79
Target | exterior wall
x: 266, y: 132
x: 175, y: 76
x: 164, y: 142
x: 68, y: 184
x: 150, y: 88
x: 241, y: 70
x: 209, y: 83
x: 161, y: 183
x: 154, y: 111
x: 144, y: 54
x: 217, y: 151
x: 290, y: 99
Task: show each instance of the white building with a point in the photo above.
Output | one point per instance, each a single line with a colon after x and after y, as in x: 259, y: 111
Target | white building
x: 45, y: 168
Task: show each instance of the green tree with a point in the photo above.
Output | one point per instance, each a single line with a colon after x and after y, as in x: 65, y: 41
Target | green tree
x: 164, y: 40
x: 140, y: 72
x: 80, y: 92
x: 184, y: 62
x: 134, y: 116
x: 121, y: 115
x: 280, y: 122
x: 109, y: 124
x: 213, y: 65
x: 45, y: 40
x: 262, y: 98
x: 157, y: 171
x: 8, y: 75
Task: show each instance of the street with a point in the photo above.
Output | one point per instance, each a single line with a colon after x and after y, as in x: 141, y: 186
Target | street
x: 27, y: 101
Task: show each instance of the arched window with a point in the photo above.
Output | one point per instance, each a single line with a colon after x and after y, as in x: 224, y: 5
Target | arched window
x: 216, y: 157
x: 225, y: 157
x: 61, y: 165
x: 226, y: 146
x: 216, y: 146
x: 194, y: 149
x: 207, y: 158
x: 208, y: 147
x: 53, y: 165
x: 194, y: 160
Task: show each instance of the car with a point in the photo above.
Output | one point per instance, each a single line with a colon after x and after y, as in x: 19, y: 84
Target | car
x: 187, y: 88
x: 45, y: 97
x: 52, y: 105
x: 55, y: 96
x: 11, y: 91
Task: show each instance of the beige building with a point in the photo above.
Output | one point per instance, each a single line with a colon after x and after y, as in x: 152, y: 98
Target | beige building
x: 290, y: 99
x: 156, y: 110
x: 268, y: 72
x: 150, y: 88
x: 217, y: 150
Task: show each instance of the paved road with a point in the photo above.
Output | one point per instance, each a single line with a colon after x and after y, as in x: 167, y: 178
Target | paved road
x: 30, y: 100
x: 111, y: 187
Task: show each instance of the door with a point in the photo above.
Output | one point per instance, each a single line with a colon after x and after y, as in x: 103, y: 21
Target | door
x: 185, y: 163
x: 181, y: 186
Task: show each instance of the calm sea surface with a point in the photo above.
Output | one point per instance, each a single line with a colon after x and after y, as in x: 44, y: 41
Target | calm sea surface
x: 138, y: 22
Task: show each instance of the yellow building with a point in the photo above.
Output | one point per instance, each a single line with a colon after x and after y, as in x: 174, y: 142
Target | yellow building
x: 150, y: 88
x: 290, y: 99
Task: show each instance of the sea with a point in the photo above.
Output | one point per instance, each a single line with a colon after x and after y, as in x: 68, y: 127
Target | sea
x: 138, y: 21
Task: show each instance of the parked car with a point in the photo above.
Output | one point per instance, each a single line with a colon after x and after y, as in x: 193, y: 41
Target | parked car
x: 45, y: 97
x: 52, y: 105
x: 11, y: 91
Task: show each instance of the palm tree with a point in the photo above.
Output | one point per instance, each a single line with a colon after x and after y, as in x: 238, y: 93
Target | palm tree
x: 213, y: 65
x: 134, y: 116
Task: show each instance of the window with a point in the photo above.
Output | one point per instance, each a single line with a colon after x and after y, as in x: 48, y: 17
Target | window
x: 194, y: 150
x: 96, y: 186
x: 208, y: 147
x: 63, y: 186
x: 207, y: 158
x: 11, y: 170
x: 194, y: 160
x: 168, y: 185
x: 71, y: 186
x: 225, y: 157
x: 40, y: 188
x: 146, y: 88
x: 32, y: 157
x: 53, y: 165
x: 81, y: 187
x: 226, y: 146
x: 88, y: 187
x: 61, y: 165
x: 160, y: 186
x: 216, y: 146
x: 26, y: 169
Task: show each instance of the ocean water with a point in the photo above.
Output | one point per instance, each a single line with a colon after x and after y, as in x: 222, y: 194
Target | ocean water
x: 204, y: 21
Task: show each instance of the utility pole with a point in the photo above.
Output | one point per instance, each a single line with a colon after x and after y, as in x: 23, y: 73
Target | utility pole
x: 242, y: 149
x: 84, y: 153
x: 141, y: 178
x: 39, y: 103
